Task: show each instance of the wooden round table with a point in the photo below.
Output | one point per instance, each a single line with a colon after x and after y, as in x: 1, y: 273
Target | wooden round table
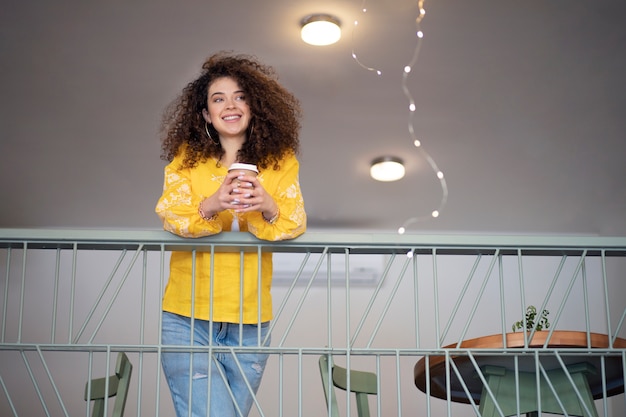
x: 613, y: 367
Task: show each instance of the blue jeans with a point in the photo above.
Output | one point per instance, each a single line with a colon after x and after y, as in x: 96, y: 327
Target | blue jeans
x: 225, y: 377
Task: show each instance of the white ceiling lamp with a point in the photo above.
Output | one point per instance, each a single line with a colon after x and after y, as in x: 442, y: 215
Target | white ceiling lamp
x: 320, y: 29
x: 387, y: 168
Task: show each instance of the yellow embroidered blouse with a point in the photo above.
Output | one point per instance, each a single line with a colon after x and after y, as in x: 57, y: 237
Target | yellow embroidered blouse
x: 183, y: 190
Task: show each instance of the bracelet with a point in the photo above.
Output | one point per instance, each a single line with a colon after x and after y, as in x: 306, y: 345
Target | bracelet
x: 201, y: 213
x: 274, y: 217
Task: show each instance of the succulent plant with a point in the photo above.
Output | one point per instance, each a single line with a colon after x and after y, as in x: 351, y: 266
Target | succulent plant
x: 533, y: 321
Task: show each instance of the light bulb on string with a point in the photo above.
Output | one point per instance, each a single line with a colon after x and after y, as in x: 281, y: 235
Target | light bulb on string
x: 422, y: 13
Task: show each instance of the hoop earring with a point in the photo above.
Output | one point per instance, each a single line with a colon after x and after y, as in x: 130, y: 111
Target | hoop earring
x: 206, y: 129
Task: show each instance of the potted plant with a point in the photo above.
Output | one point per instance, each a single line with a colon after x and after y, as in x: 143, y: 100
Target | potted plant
x: 533, y: 321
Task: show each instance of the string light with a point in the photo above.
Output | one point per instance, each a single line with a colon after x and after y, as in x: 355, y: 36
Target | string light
x: 356, y: 23
x: 416, y: 142
x: 412, y: 109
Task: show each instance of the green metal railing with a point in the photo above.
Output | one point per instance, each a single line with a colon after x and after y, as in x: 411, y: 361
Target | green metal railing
x: 71, y: 299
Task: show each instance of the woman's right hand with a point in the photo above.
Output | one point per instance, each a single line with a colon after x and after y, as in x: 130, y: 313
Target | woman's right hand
x: 224, y: 198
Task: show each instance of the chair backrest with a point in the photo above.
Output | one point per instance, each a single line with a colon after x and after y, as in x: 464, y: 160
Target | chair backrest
x: 360, y: 383
x: 118, y: 385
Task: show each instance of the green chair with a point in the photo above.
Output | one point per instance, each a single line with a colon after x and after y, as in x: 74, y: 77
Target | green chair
x: 361, y: 384
x: 118, y: 387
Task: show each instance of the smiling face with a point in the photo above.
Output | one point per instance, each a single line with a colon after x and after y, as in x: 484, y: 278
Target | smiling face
x: 227, y: 108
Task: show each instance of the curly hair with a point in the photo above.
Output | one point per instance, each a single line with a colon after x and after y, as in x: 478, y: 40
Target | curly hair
x: 274, y: 127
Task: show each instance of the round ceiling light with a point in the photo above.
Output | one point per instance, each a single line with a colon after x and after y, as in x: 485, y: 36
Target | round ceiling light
x: 320, y: 29
x: 387, y: 168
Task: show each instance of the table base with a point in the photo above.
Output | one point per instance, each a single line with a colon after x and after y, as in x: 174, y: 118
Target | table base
x: 502, y: 382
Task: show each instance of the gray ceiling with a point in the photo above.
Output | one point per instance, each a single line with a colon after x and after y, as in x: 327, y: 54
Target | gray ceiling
x: 520, y: 103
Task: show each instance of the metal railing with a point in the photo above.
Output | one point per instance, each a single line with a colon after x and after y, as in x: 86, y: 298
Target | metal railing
x: 386, y: 303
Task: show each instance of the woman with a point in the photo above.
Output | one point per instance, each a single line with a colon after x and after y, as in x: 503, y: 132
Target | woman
x: 235, y: 111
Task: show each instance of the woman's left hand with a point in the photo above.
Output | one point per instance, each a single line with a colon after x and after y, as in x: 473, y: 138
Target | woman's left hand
x: 251, y: 196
